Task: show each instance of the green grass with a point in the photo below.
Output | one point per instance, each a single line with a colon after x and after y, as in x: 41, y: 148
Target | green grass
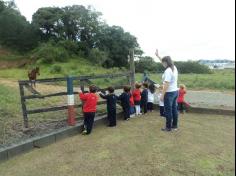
x: 74, y: 67
x: 10, y: 112
x: 218, y: 80
x: 204, y: 146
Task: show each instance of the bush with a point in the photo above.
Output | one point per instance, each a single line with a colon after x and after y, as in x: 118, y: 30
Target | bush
x: 98, y: 57
x: 192, y: 67
x: 147, y: 64
x: 48, y: 53
x: 71, y: 47
x: 55, y: 69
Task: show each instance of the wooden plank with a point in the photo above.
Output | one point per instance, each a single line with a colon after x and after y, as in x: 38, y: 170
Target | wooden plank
x: 51, y: 109
x: 59, y: 108
x: 23, y: 105
x: 63, y: 93
x: 101, y: 76
x: 47, y: 96
x: 24, y: 82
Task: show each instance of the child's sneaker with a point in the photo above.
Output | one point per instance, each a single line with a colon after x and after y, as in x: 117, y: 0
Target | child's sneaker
x: 132, y: 116
x: 84, y: 132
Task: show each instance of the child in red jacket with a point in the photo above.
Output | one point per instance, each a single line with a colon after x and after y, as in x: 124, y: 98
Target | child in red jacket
x: 89, y: 108
x: 180, y: 100
x: 132, y: 106
x: 137, y: 98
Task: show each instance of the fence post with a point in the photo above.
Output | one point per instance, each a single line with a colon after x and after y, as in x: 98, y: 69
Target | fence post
x: 132, y: 69
x: 71, y: 102
x: 24, y: 111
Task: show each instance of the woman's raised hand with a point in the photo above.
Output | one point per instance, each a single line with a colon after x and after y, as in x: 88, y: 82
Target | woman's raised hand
x: 157, y: 54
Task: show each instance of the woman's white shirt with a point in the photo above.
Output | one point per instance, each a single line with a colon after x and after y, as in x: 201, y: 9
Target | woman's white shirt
x: 172, y: 78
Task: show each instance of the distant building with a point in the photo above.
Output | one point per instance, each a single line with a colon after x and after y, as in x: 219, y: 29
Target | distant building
x: 218, y: 64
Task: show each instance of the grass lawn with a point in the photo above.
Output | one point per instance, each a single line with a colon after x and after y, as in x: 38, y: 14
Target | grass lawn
x: 204, y: 146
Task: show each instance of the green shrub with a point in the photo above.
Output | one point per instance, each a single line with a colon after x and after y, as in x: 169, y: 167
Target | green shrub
x: 55, y: 69
x: 48, y: 53
x: 192, y: 67
x: 71, y: 47
x: 147, y: 64
x: 98, y: 57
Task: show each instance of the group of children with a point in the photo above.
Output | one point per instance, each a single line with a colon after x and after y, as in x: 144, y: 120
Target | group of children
x: 134, y: 103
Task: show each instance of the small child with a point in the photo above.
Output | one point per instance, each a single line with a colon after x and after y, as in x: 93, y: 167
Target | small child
x: 137, y: 98
x: 111, y: 106
x: 132, y: 106
x: 161, y: 103
x: 144, y: 98
x: 151, y: 91
x: 125, y: 102
x: 180, y: 100
x: 89, y: 108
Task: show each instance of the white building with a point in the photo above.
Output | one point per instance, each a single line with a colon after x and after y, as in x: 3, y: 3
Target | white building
x: 218, y: 64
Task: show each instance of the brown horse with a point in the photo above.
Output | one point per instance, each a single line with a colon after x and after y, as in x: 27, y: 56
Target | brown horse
x: 32, y: 75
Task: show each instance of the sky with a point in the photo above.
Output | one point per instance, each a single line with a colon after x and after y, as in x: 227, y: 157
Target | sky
x: 182, y: 29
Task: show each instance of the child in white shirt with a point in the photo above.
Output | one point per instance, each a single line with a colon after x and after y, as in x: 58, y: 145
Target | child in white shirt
x: 161, y: 103
x: 151, y: 91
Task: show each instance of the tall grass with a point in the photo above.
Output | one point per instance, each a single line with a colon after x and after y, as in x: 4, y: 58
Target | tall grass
x: 218, y: 80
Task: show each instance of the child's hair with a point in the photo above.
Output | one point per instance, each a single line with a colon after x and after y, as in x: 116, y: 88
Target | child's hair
x: 152, y: 88
x: 182, y: 86
x: 127, y: 88
x: 138, y: 86
x: 160, y: 87
x: 111, y: 89
x: 145, y: 85
x: 92, y: 89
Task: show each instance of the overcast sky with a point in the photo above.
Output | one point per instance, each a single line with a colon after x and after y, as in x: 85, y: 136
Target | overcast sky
x: 183, y: 29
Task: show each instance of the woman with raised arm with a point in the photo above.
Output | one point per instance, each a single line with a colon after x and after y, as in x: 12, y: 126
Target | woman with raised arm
x: 170, y: 92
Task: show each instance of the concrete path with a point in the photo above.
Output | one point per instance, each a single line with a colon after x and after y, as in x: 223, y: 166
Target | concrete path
x: 210, y: 99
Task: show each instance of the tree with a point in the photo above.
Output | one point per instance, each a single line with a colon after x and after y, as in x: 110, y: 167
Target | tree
x: 48, y: 21
x: 147, y: 64
x: 117, y: 44
x: 15, y: 31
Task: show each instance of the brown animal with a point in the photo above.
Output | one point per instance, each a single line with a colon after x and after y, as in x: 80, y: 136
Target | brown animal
x: 32, y: 75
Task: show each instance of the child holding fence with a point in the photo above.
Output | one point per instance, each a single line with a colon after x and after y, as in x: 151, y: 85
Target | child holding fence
x: 125, y: 102
x: 144, y: 98
x: 89, y: 108
x: 137, y: 98
x: 111, y: 106
x: 132, y: 106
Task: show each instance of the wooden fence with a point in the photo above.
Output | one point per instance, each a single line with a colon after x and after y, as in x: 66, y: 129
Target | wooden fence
x: 24, y: 85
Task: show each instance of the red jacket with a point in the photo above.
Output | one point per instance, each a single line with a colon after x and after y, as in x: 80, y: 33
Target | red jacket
x: 90, y: 102
x: 181, y: 96
x: 131, y: 100
x: 137, y: 95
